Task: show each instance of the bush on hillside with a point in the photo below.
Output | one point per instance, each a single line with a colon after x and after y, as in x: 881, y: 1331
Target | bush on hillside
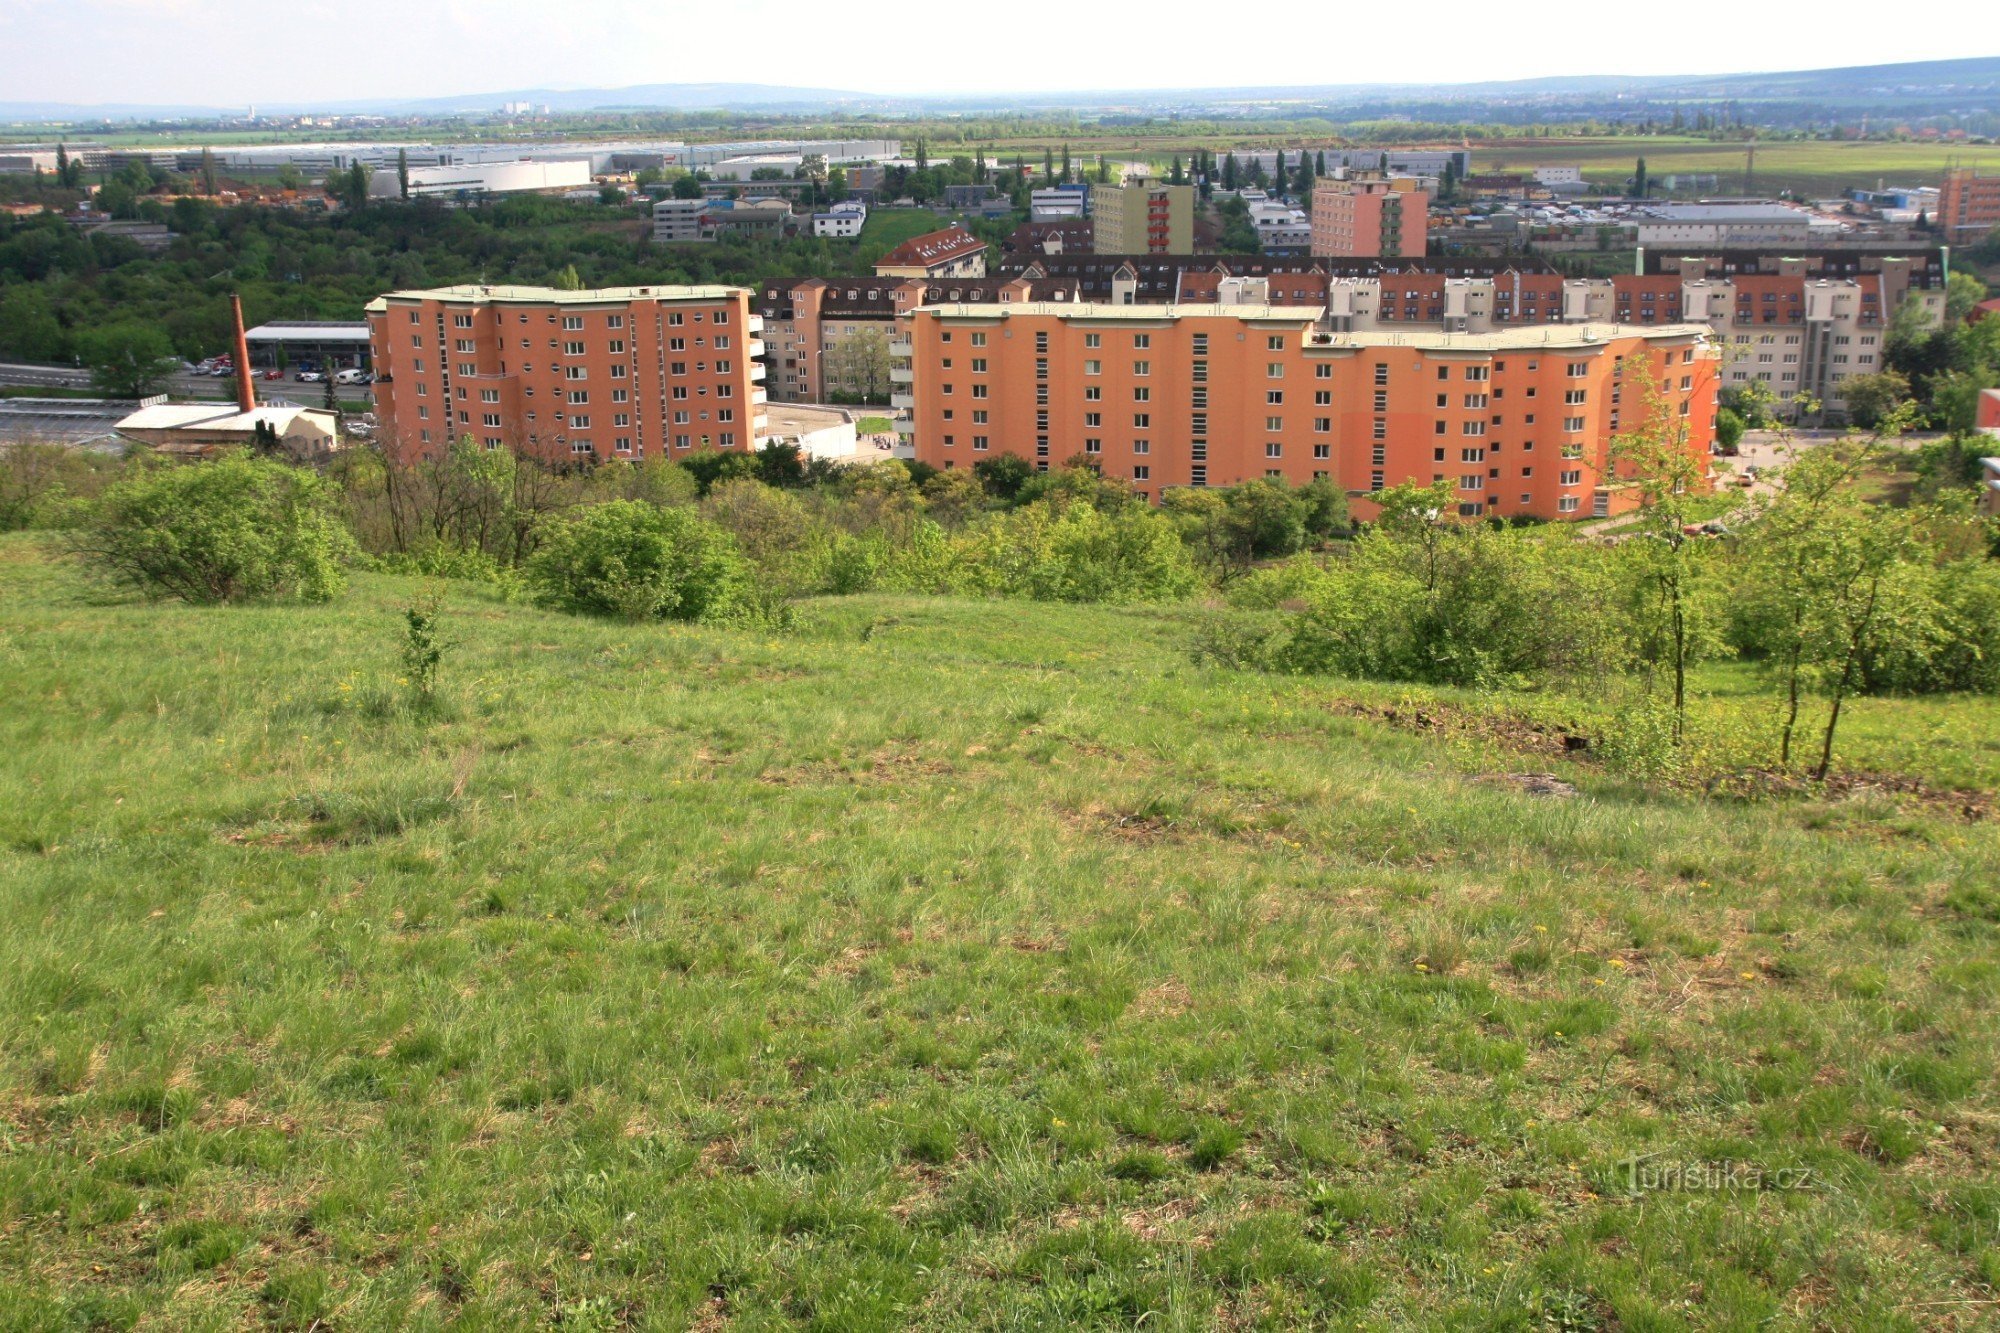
x: 1479, y: 607
x: 1080, y: 554
x: 51, y: 485
x: 630, y: 559
x: 223, y: 531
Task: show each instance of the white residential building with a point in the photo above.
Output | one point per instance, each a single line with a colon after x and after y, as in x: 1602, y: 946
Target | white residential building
x: 842, y: 223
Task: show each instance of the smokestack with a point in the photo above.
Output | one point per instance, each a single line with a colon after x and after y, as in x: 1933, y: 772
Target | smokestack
x: 246, y: 391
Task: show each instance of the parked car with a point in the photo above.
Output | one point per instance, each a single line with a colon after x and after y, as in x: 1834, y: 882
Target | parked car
x: 309, y: 377
x: 274, y: 374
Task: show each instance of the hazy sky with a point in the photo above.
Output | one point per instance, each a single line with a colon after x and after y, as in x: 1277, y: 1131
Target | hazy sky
x: 233, y: 52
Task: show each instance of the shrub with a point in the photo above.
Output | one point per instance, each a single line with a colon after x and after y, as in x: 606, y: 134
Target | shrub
x: 223, y: 531
x: 630, y: 559
x: 50, y: 485
x: 1081, y: 554
x: 1960, y: 602
x: 1464, y: 605
x: 1273, y: 586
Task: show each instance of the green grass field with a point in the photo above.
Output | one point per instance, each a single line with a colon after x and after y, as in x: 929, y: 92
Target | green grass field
x: 890, y: 227
x: 1809, y: 167
x: 938, y: 963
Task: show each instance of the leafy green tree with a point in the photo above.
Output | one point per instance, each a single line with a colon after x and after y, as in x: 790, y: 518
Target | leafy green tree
x: 235, y: 528
x: 403, y: 173
x: 128, y: 360
x: 1871, y: 399
x: 1265, y: 518
x: 1003, y: 475
x: 636, y: 561
x: 1821, y: 589
x: 1326, y: 511
x: 780, y: 465
x: 1729, y: 428
x: 711, y: 467
x: 859, y: 364
x: 1963, y: 291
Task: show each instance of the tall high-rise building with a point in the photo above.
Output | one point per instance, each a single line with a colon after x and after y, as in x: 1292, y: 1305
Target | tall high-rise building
x: 1143, y: 217
x: 624, y: 372
x: 1968, y: 206
x: 1519, y: 421
x: 1370, y: 214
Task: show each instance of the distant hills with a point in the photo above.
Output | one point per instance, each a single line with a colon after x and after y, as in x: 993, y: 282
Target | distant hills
x: 1967, y: 84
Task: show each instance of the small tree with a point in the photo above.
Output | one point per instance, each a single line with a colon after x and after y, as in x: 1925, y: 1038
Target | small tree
x: 403, y: 172
x: 1669, y: 475
x: 634, y: 560
x: 223, y: 531
x: 1003, y: 475
x: 423, y: 647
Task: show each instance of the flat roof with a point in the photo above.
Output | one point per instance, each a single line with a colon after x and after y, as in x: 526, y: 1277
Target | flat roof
x: 1725, y: 213
x: 1530, y: 336
x: 309, y: 331
x: 503, y: 295
x: 215, y: 416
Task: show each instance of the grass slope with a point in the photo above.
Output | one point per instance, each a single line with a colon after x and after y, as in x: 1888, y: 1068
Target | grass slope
x: 938, y: 963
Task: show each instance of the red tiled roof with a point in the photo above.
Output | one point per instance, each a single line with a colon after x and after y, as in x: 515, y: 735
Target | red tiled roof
x: 936, y: 247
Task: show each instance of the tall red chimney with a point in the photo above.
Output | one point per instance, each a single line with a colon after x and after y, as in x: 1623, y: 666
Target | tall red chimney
x: 246, y: 390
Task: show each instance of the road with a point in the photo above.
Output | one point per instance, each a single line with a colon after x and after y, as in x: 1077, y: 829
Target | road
x: 186, y: 387
x: 17, y: 374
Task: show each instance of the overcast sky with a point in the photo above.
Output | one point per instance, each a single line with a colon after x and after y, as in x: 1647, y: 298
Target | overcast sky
x: 234, y: 52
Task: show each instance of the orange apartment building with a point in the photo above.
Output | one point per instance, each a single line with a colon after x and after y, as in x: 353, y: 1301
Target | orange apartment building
x: 1968, y: 206
x: 628, y: 372
x: 1520, y: 420
x: 1370, y: 215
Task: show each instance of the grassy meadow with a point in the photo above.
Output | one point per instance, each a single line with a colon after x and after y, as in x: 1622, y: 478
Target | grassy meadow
x: 1819, y: 167
x: 943, y: 963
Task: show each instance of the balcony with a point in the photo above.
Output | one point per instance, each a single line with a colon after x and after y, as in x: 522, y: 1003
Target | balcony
x: 905, y: 350
x: 905, y: 426
x: 902, y: 375
x: 760, y: 422
x: 754, y: 349
x: 902, y: 401
x: 757, y: 371
x: 759, y: 396
x: 755, y: 324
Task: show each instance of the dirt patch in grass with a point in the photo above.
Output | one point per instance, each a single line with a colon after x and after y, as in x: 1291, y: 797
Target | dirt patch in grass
x: 888, y: 764
x: 1900, y: 788
x: 1522, y: 735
